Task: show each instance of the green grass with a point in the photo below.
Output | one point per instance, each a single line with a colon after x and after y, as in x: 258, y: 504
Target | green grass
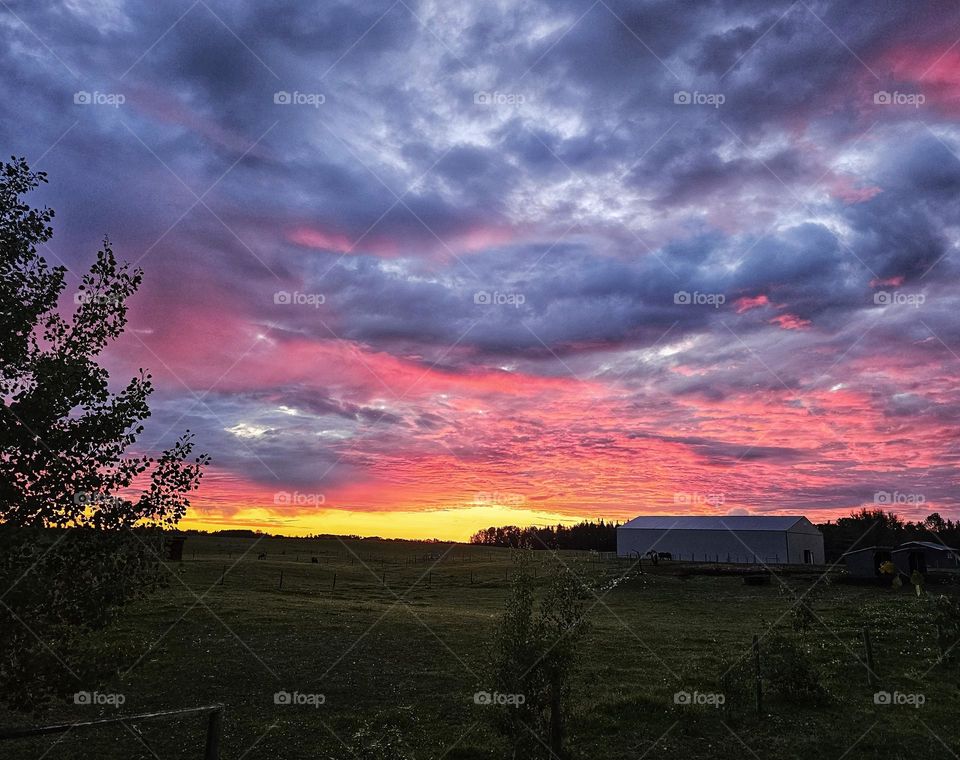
x: 410, y: 653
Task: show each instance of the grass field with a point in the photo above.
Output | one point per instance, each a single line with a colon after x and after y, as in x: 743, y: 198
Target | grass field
x: 399, y: 641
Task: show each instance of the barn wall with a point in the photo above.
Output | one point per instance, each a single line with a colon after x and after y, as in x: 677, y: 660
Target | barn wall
x: 798, y: 541
x: 860, y: 564
x: 707, y: 545
x: 934, y: 560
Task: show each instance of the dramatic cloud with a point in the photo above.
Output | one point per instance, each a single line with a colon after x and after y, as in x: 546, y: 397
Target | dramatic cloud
x: 533, y: 260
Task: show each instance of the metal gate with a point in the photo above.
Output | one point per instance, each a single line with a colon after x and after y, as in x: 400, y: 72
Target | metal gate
x: 214, y: 726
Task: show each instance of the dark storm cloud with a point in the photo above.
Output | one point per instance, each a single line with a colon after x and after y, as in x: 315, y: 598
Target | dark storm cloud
x: 533, y: 152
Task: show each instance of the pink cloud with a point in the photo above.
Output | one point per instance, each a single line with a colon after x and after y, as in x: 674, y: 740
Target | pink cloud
x: 890, y: 282
x: 790, y: 322
x: 845, y: 188
x: 316, y: 237
x: 750, y: 302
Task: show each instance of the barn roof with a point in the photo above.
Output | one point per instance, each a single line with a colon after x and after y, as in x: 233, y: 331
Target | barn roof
x: 713, y: 522
x: 926, y: 545
x: 868, y: 549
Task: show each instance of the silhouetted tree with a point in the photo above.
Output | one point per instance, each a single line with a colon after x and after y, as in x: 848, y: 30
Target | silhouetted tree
x: 598, y: 536
x: 80, y: 519
x: 875, y: 527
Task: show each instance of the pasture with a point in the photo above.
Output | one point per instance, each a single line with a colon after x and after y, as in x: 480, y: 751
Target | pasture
x: 393, y: 636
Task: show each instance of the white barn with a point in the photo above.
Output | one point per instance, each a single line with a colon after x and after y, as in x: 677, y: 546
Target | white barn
x: 791, y: 540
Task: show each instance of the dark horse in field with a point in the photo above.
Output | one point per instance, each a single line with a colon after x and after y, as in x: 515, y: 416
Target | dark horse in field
x: 657, y: 556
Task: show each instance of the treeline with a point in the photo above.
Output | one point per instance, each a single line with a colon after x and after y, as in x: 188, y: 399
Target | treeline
x: 599, y: 536
x: 875, y: 527
x: 247, y: 533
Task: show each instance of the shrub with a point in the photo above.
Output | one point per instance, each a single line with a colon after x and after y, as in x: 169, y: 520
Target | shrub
x: 946, y: 616
x: 788, y: 670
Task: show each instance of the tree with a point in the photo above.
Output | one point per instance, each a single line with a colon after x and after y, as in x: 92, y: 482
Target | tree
x: 535, y: 649
x: 598, y: 536
x: 81, y: 517
x: 935, y: 522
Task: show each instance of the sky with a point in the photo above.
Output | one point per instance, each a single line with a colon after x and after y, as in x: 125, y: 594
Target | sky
x: 416, y: 268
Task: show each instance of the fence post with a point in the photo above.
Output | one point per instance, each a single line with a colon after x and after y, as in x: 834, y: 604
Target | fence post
x: 334, y: 581
x: 868, y: 650
x: 759, y: 678
x: 214, y: 724
x: 222, y: 574
x: 280, y: 587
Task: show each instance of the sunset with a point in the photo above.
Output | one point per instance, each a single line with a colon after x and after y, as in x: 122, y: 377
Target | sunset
x: 506, y: 306
x: 320, y: 213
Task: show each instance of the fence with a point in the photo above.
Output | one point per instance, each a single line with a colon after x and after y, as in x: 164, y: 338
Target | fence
x: 214, y: 725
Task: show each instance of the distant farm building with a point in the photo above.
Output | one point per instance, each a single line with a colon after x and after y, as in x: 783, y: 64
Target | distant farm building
x: 174, y: 546
x: 792, y: 540
x: 865, y: 563
x: 923, y: 556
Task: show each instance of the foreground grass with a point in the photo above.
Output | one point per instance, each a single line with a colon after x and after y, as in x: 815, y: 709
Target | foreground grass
x: 399, y: 639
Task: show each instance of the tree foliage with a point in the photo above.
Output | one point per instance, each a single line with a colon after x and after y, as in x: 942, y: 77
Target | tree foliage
x: 598, y: 536
x: 534, y: 652
x: 877, y: 527
x: 81, y: 512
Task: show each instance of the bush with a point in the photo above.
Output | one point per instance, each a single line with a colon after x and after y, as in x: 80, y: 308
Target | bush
x: 737, y: 683
x: 789, y: 672
x: 535, y: 649
x: 61, y: 586
x: 946, y: 616
x: 786, y: 669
